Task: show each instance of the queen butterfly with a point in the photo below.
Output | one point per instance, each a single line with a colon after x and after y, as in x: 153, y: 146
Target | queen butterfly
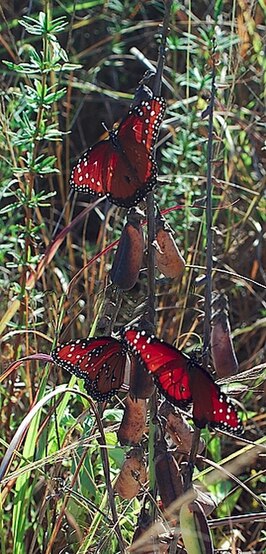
x: 123, y: 167
x: 182, y: 381
x: 99, y: 361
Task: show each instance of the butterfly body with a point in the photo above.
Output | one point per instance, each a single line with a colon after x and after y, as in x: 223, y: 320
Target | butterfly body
x: 183, y: 381
x: 123, y: 167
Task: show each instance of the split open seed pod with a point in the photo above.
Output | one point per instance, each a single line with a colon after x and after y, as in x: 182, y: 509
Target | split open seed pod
x: 141, y: 383
x: 168, y: 475
x: 178, y: 428
x: 144, y: 541
x: 142, y: 530
x: 132, y: 474
x: 168, y: 258
x: 222, y: 348
x: 128, y: 257
x: 133, y: 423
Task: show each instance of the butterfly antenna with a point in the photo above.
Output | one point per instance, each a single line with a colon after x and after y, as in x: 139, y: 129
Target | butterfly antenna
x: 105, y: 127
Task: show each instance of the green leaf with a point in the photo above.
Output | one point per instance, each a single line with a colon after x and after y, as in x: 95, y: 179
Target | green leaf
x: 21, y: 68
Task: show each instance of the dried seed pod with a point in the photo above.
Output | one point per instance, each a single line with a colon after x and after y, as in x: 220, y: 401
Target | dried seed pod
x: 194, y: 528
x: 132, y: 474
x: 179, y: 429
x: 134, y: 421
x: 128, y: 257
x: 144, y: 542
x: 168, y: 476
x: 222, y: 348
x: 144, y: 522
x: 141, y: 383
x: 168, y: 258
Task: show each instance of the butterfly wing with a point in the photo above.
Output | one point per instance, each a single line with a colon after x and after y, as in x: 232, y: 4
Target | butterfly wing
x: 167, y: 365
x: 138, y: 133
x: 94, y: 170
x: 136, y: 138
x: 123, y: 167
x: 181, y: 381
x: 210, y: 405
x: 99, y: 361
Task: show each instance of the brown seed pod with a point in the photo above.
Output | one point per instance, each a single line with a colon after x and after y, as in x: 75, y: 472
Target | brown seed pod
x: 132, y: 474
x: 168, y: 476
x: 222, y: 348
x: 144, y: 541
x: 141, y: 383
x: 168, y: 258
x: 128, y: 257
x: 178, y: 428
x: 134, y: 421
x: 144, y: 522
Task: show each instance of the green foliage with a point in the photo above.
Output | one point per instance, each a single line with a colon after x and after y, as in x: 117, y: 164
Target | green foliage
x: 30, y: 122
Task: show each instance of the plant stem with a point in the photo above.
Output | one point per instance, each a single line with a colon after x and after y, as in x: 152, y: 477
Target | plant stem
x: 151, y: 262
x: 209, y: 267
x: 150, y: 198
x: 209, y: 232
x: 106, y: 468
